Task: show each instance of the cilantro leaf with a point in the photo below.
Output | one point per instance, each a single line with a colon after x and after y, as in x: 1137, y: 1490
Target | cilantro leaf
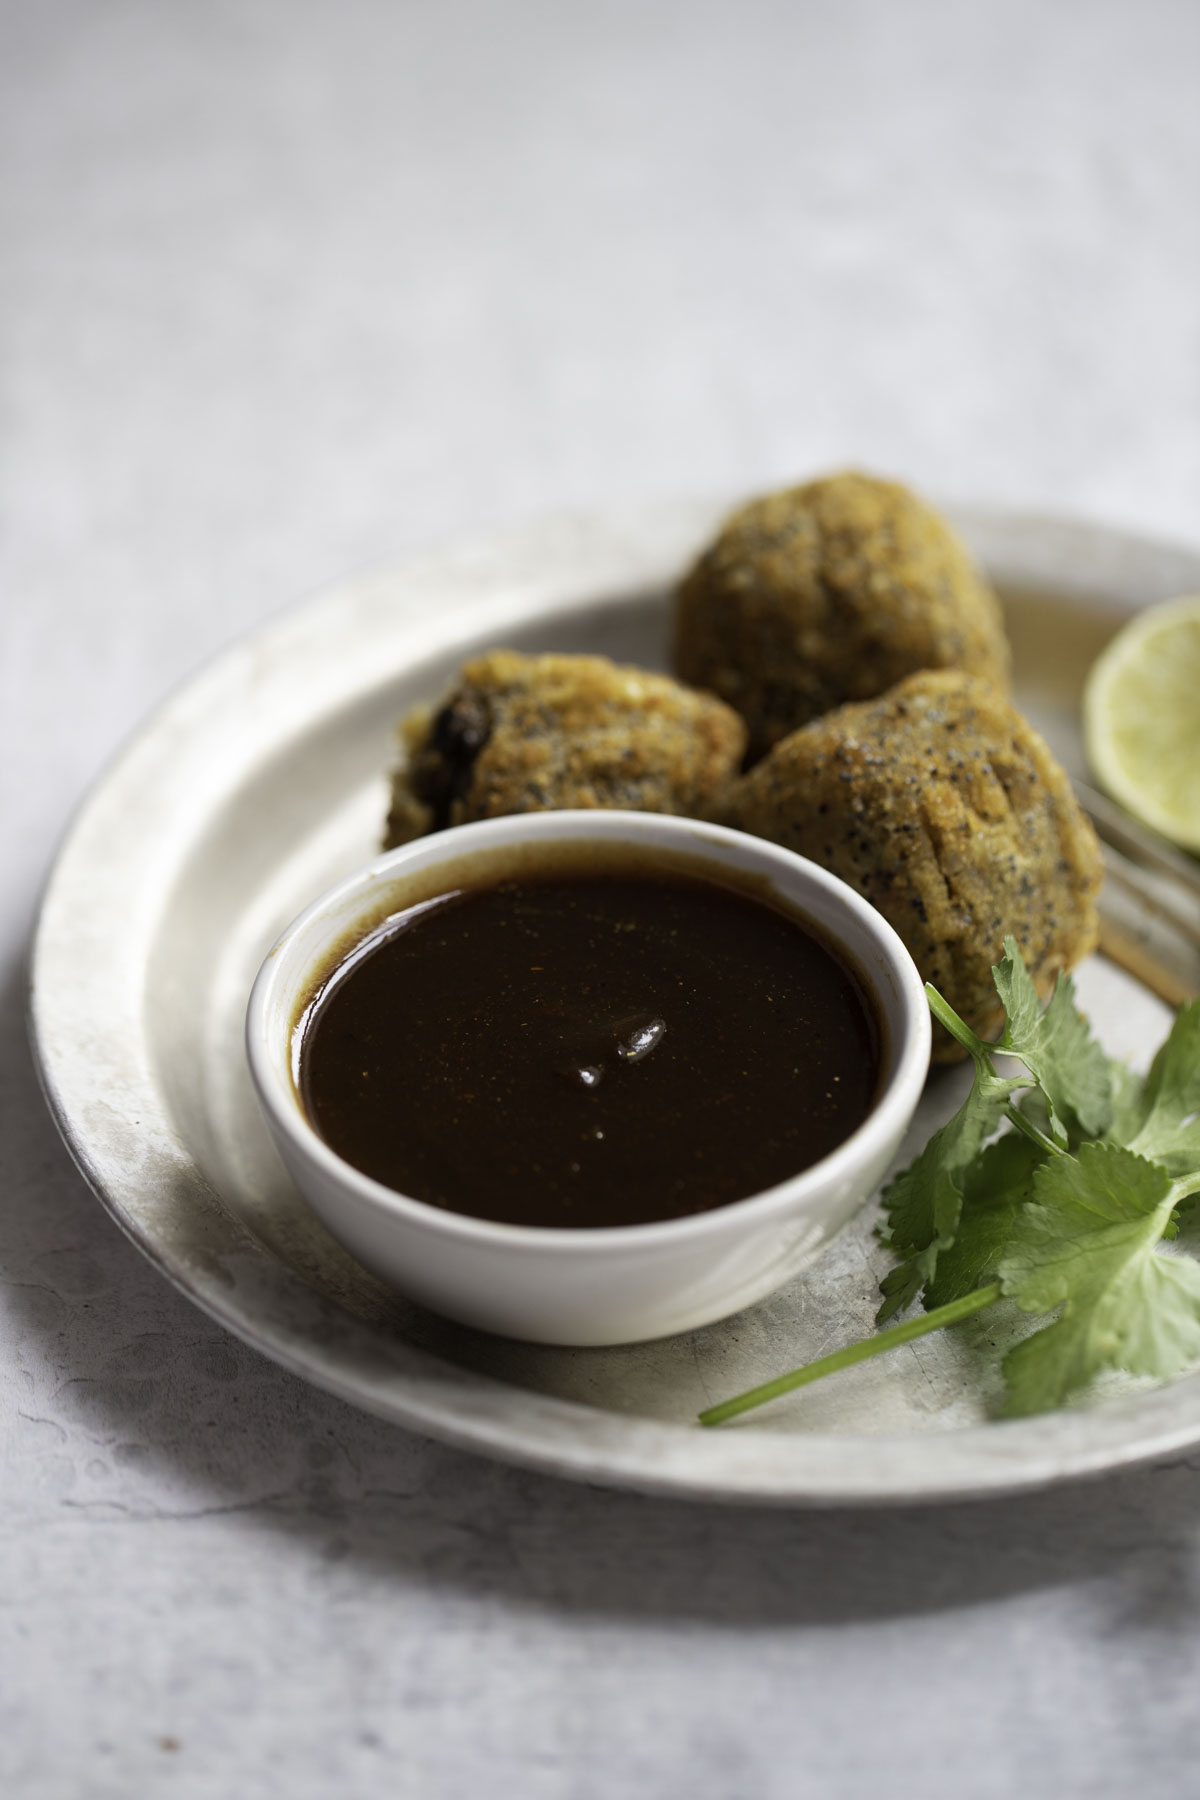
x: 1128, y: 1089
x: 994, y: 1189
x: 924, y: 1201
x: 924, y: 1204
x: 1057, y: 1047
x: 1088, y: 1242
x: 1167, y: 1122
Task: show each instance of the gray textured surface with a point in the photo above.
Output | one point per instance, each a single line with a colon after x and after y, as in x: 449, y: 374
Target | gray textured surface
x: 290, y: 290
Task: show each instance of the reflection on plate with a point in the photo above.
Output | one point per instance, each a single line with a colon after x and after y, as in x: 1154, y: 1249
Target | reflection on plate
x: 260, y: 784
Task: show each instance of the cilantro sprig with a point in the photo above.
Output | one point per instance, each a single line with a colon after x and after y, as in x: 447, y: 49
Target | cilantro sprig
x: 1054, y: 1188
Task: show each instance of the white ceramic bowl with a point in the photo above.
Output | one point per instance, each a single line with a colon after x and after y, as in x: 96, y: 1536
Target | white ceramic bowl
x: 586, y: 1286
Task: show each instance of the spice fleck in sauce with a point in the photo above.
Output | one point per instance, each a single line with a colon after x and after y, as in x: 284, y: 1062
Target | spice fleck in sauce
x: 591, y: 1050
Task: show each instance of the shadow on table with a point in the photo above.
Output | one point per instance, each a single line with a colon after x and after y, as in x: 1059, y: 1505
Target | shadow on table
x: 138, y: 1407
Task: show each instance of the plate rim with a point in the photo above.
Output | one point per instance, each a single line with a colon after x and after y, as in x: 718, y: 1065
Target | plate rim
x: 577, y: 560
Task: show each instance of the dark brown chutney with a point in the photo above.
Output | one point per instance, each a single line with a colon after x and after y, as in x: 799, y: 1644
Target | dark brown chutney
x: 595, y: 1050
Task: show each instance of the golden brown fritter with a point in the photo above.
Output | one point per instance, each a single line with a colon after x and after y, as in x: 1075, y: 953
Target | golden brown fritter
x: 828, y: 593
x: 946, y: 810
x: 540, y: 733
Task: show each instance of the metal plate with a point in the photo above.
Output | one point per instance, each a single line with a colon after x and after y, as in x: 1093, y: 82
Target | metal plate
x: 263, y: 781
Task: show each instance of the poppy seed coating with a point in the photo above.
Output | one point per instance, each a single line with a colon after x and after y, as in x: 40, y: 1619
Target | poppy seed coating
x: 944, y: 808
x: 827, y: 593
x: 541, y: 733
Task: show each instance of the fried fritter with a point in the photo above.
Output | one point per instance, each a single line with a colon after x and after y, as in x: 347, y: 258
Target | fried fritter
x: 943, y: 807
x: 540, y: 733
x: 827, y: 593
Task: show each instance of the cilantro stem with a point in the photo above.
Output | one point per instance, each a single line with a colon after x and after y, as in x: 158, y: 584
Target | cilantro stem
x: 1017, y: 1118
x: 883, y: 1341
x: 945, y: 1015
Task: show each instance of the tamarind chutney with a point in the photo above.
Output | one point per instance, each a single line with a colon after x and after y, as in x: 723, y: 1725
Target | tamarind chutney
x: 582, y: 1050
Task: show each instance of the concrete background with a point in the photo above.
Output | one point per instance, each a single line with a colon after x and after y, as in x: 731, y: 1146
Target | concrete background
x: 291, y: 290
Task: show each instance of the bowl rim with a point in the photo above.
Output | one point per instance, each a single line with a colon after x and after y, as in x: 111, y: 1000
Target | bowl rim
x: 909, y: 1033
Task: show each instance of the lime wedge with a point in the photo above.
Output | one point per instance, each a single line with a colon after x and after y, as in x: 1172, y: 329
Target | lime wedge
x: 1141, y: 719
